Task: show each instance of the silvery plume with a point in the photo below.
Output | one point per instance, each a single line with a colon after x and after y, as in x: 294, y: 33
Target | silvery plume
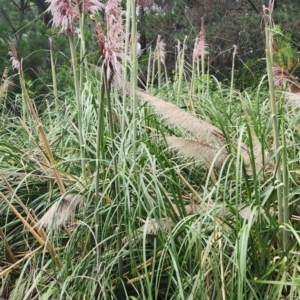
x: 61, y: 211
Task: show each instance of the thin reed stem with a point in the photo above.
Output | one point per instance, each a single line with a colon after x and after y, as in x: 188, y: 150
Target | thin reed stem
x: 78, y: 102
x: 99, y: 149
x: 282, y: 214
x: 125, y: 74
x: 181, y: 61
x: 54, y: 82
x: 116, y: 186
x: 148, y: 71
x: 134, y: 77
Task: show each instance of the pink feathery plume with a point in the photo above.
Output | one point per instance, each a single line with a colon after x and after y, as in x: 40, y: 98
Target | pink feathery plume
x: 63, y: 14
x: 160, y: 53
x: 112, y: 46
x: 115, y: 41
x: 16, y: 64
x: 200, y: 44
x: 115, y: 24
x: 89, y: 6
x: 101, y: 39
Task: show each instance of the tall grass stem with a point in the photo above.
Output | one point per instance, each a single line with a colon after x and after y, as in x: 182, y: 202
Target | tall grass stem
x: 54, y: 81
x: 277, y: 147
x: 78, y: 102
x: 134, y: 77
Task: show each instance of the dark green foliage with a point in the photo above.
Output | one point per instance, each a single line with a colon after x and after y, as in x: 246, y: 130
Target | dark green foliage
x: 226, y: 24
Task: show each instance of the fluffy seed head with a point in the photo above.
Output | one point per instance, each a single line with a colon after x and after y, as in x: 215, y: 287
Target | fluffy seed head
x: 160, y: 53
x: 234, y: 51
x: 112, y: 46
x: 14, y: 56
x: 63, y: 14
x: 60, y: 211
x: 101, y: 40
x: 200, y: 44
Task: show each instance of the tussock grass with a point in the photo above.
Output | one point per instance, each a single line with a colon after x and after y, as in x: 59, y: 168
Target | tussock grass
x: 174, y: 203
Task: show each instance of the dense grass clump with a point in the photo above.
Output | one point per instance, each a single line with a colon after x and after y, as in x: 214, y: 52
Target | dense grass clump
x: 179, y: 189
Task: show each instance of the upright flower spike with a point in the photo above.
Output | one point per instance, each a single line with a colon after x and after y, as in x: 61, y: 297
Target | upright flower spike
x: 234, y: 52
x: 200, y: 44
x: 16, y: 64
x: 115, y: 24
x: 160, y: 52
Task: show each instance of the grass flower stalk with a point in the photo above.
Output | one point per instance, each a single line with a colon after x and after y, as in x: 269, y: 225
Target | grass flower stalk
x: 180, y: 66
x: 16, y: 64
x: 117, y: 189
x: 82, y: 8
x: 83, y: 58
x: 111, y: 51
x: 160, y: 57
x: 54, y: 81
x: 43, y: 138
x: 200, y: 50
x: 134, y: 76
x: 64, y: 13
x: 202, y: 34
x: 283, y: 213
x: 78, y: 102
x: 232, y: 71
x: 99, y: 150
x: 232, y: 77
x: 125, y: 73
x: 149, y: 77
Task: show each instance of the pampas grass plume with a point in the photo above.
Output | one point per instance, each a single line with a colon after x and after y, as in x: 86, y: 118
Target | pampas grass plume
x: 173, y: 115
x: 160, y: 52
x: 202, y: 153
x: 60, y: 212
x: 112, y: 45
x: 200, y: 44
x: 209, y: 144
x: 16, y: 64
